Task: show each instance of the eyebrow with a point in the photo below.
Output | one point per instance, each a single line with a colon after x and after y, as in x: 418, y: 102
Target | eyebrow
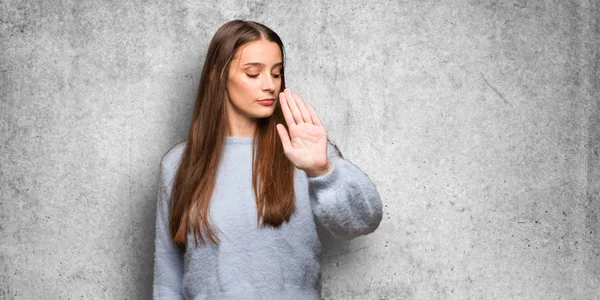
x: 261, y: 64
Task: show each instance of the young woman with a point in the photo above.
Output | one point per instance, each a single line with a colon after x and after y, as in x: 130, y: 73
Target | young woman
x: 240, y: 200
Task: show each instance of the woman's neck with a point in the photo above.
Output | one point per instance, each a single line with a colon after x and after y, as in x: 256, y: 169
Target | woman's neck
x: 246, y: 130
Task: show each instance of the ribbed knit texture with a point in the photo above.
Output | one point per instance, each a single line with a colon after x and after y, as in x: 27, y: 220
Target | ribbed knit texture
x: 253, y: 262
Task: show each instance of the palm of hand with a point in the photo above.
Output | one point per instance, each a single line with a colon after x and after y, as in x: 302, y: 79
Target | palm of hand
x: 309, y: 144
x: 306, y: 145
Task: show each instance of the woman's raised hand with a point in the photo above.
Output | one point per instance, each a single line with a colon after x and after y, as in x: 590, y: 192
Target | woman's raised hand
x: 306, y: 144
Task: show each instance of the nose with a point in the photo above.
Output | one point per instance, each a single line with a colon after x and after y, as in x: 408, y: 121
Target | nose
x: 268, y: 83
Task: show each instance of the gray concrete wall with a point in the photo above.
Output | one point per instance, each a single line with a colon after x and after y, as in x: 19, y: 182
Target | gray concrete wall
x: 477, y: 120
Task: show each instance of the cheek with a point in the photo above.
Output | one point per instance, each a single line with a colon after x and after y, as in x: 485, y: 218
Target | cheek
x: 243, y: 87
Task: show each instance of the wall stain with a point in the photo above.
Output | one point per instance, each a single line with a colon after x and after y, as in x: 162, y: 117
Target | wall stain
x: 496, y: 91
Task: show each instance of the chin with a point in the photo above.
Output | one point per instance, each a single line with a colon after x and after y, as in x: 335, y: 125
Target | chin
x: 264, y: 114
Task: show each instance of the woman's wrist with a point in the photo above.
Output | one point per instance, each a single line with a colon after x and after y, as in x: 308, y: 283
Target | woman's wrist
x: 320, y: 171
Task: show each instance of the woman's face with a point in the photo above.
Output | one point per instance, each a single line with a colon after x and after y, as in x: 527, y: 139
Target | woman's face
x: 254, y: 75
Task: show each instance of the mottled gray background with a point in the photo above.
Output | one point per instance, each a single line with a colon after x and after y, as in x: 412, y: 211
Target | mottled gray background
x: 478, y: 121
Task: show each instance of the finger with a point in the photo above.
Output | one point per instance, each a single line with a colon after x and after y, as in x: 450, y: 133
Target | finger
x: 313, y: 114
x: 285, y: 138
x: 285, y: 108
x: 305, y: 114
x: 293, y: 106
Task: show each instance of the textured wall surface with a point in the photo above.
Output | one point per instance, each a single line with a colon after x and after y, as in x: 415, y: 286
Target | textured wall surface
x: 477, y: 120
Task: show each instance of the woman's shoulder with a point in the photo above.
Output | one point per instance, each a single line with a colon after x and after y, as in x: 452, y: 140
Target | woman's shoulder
x: 173, y: 155
x: 333, y: 150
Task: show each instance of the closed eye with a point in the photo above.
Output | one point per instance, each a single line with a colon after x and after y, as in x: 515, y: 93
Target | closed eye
x: 256, y: 75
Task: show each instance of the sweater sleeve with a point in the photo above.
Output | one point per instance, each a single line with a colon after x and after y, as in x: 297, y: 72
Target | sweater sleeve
x: 345, y: 201
x: 168, y: 257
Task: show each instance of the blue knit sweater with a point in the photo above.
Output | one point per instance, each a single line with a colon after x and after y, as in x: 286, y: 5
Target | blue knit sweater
x: 260, y: 262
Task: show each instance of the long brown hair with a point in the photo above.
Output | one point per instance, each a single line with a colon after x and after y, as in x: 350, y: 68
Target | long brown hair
x: 272, y: 172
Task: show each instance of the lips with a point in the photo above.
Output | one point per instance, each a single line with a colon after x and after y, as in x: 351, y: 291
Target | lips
x: 268, y: 101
